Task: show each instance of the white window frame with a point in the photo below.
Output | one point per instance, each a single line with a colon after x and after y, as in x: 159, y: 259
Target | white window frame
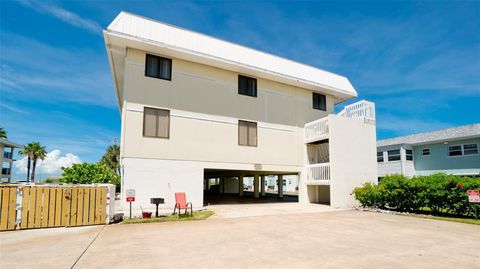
x: 408, y: 154
x: 399, y: 155
x: 383, y: 156
x: 429, y: 152
x: 462, y: 148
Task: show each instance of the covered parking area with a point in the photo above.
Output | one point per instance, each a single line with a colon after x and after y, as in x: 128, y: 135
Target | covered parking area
x: 223, y: 187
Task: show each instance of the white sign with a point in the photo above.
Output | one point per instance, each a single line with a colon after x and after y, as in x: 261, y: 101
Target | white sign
x: 130, y: 193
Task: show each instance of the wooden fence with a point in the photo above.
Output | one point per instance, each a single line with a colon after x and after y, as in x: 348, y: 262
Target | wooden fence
x: 27, y: 207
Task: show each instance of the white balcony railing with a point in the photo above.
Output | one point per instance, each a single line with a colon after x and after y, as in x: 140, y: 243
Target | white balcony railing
x: 359, y: 110
x: 316, y: 130
x: 318, y: 174
x: 319, y: 129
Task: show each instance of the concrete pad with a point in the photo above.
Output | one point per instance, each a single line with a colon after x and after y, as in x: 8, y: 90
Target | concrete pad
x: 330, y: 239
x: 44, y: 248
x: 340, y: 239
x: 266, y: 209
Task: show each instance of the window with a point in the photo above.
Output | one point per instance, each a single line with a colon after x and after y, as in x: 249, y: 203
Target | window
x: 470, y: 149
x: 380, y: 157
x: 409, y: 154
x: 455, y: 151
x: 247, y: 133
x: 156, y: 122
x: 247, y: 86
x: 393, y: 155
x: 158, y: 67
x: 425, y: 152
x: 319, y: 101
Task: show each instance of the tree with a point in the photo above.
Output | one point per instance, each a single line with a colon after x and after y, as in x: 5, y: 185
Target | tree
x: 87, y: 173
x: 27, y: 151
x: 111, y: 158
x: 3, y: 133
x: 33, y: 151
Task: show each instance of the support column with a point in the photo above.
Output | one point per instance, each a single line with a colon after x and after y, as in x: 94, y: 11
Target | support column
x: 262, y: 185
x: 240, y: 185
x: 280, y: 186
x: 222, y: 185
x: 256, y: 179
x: 10, y: 165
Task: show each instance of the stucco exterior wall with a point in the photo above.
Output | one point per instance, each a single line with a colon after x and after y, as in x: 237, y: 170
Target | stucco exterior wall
x: 402, y: 166
x: 205, y: 109
x: 352, y: 158
x: 439, y: 161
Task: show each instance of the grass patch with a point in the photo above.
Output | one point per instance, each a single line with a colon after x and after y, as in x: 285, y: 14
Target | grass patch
x: 197, y: 215
x: 461, y: 220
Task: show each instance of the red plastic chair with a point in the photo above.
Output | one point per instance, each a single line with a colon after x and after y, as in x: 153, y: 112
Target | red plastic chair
x: 181, y: 203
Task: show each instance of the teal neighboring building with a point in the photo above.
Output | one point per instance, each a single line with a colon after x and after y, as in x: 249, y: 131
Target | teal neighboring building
x: 452, y: 151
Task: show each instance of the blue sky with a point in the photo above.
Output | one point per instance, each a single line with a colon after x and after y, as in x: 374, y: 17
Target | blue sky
x: 418, y: 61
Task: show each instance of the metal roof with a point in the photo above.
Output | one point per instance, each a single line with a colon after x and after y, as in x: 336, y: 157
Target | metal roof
x: 450, y: 134
x: 133, y: 31
x: 9, y: 143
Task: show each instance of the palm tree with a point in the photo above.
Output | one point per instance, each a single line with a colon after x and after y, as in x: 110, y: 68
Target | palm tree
x: 39, y: 152
x: 27, y: 151
x: 33, y: 151
x: 111, y: 158
x: 3, y: 133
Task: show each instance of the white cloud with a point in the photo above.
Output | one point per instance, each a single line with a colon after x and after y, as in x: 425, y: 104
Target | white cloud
x: 51, y: 165
x: 64, y: 15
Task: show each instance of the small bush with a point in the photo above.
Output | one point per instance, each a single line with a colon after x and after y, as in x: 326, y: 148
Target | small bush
x: 369, y: 195
x: 438, y: 193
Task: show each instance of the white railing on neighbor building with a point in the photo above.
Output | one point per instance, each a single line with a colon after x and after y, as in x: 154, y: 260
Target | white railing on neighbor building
x: 359, y: 110
x: 318, y: 174
x: 316, y: 130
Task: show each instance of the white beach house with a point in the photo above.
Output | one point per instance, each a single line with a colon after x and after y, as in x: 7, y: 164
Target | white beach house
x: 194, y: 107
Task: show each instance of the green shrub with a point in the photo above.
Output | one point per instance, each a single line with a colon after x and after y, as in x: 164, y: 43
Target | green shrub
x: 438, y: 193
x: 369, y: 195
x: 87, y: 173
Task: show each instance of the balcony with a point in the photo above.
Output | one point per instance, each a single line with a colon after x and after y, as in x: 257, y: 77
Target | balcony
x: 316, y: 130
x: 7, y: 155
x: 319, y: 129
x: 318, y: 174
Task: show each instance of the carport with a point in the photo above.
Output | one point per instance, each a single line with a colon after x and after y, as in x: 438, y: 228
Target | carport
x: 249, y: 187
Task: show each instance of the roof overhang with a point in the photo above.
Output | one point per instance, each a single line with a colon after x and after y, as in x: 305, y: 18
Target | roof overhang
x: 131, y: 31
x: 10, y: 144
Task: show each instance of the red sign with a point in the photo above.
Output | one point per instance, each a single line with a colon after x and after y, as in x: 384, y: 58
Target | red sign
x: 474, y: 196
x: 130, y: 199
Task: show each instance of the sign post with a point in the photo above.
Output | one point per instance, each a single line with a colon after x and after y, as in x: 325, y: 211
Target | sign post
x: 130, y: 194
x: 474, y: 198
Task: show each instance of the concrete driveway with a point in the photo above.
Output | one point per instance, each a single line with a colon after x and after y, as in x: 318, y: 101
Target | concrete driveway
x: 338, y: 239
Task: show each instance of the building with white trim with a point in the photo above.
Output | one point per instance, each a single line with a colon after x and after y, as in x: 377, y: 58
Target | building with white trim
x: 194, y: 107
x: 452, y: 151
x: 7, y: 149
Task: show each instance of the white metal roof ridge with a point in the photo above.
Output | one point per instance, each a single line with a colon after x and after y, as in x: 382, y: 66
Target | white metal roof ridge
x: 449, y: 134
x: 173, y: 37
